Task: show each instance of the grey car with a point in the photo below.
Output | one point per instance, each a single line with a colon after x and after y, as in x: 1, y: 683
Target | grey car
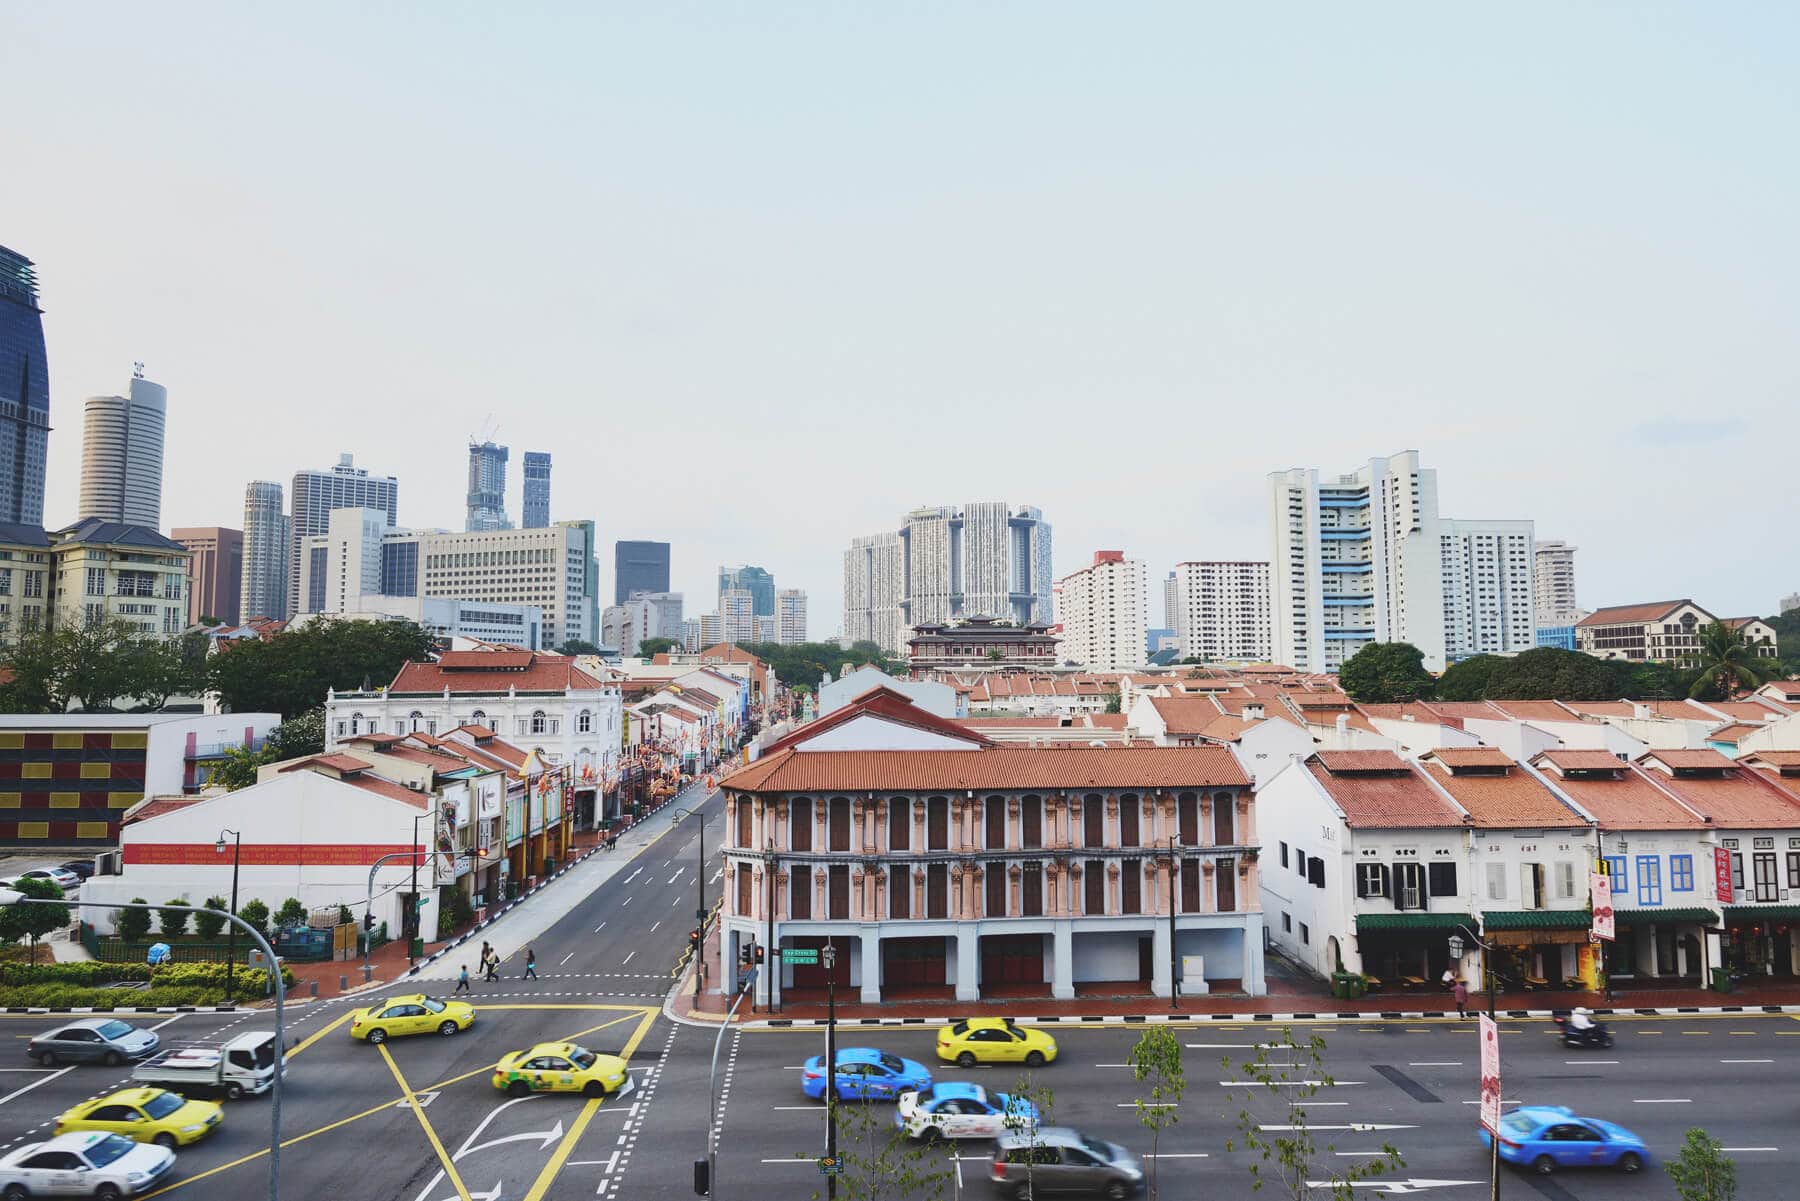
x: 1057, y: 1161
x: 92, y: 1040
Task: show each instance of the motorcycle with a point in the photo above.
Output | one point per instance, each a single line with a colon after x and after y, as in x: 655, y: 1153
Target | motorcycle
x: 1596, y: 1035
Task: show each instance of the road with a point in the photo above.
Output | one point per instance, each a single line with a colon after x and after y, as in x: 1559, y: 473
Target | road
x: 417, y: 1120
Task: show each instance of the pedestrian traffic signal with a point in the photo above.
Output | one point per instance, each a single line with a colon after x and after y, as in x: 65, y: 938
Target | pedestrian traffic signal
x: 759, y: 953
x: 694, y: 938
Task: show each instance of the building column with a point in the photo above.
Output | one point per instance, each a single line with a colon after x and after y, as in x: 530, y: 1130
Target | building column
x: 968, y: 965
x: 1253, y: 956
x: 870, y: 952
x: 1159, y: 960
x: 1062, y: 973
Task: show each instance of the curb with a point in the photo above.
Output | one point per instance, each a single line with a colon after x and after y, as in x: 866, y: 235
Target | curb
x: 127, y: 1009
x: 497, y: 915
x: 1153, y: 1019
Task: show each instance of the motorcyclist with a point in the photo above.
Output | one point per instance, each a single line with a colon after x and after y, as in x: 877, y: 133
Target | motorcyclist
x: 1582, y: 1020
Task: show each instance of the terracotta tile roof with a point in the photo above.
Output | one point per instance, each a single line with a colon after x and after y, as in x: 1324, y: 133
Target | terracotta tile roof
x: 1706, y: 758
x: 374, y: 739
x: 1683, y: 710
x: 1532, y: 711
x: 478, y: 733
x: 1774, y: 758
x: 1633, y: 614
x: 1000, y: 768
x: 486, y: 660
x: 1320, y: 700
x: 431, y: 759
x: 888, y: 705
x: 1463, y: 710
x: 1472, y: 756
x: 1583, y: 760
x: 1623, y: 799
x: 1741, y: 798
x: 1226, y: 727
x: 157, y: 806
x: 1516, y: 800
x: 1787, y: 688
x: 1755, y: 708
x: 1733, y: 733
x: 1185, y: 715
x: 343, y: 763
x: 698, y: 696
x: 542, y: 674
x: 1416, y: 711
x: 1394, y: 797
x: 1105, y: 721
x: 369, y: 782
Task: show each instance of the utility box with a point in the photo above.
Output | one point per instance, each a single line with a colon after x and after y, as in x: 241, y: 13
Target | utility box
x: 1193, y: 976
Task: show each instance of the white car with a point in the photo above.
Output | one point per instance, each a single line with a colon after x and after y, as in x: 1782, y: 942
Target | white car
x: 88, y: 1164
x: 950, y: 1109
x: 62, y: 877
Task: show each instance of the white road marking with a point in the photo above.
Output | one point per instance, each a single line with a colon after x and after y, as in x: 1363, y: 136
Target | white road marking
x: 716, y: 875
x: 1231, y: 1046
x: 1180, y: 1155
x: 666, y: 862
x: 1721, y: 1061
x: 1112, y: 1065
x: 1662, y: 1100
x: 819, y: 1108
x: 676, y: 901
x: 1749, y: 1148
x: 566, y: 958
x: 628, y: 958
x: 600, y: 927
x: 1351, y: 1126
x: 1613, y: 1062
x: 674, y: 877
x: 1149, y: 1104
x: 633, y: 875
x: 43, y: 1080
x: 1308, y: 1083
x: 176, y: 1018
x: 1437, y: 1063
x: 655, y: 924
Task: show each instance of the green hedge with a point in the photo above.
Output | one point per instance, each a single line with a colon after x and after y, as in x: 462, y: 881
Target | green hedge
x: 65, y: 996
x: 86, y: 977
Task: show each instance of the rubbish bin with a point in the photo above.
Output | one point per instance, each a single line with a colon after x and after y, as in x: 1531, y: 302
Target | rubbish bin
x: 416, y: 948
x: 549, y: 865
x: 1721, y: 979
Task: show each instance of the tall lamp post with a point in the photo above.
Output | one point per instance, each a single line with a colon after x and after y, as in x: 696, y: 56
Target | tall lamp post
x: 1174, y: 870
x: 700, y: 901
x: 828, y: 957
x: 237, y: 855
x: 1456, y: 954
x: 415, y: 931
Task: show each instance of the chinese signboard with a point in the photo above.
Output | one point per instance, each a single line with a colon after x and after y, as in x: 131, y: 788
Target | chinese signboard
x: 1490, y: 1075
x: 1722, y: 874
x: 1600, y: 886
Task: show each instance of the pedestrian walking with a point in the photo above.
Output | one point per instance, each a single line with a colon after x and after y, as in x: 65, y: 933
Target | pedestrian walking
x: 492, y: 966
x: 530, y: 964
x: 1461, y: 993
x: 462, y: 981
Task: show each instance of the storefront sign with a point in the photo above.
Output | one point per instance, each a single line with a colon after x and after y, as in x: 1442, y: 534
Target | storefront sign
x: 1722, y: 874
x: 1490, y: 1075
x: 488, y: 789
x: 1600, y: 888
x: 464, y: 865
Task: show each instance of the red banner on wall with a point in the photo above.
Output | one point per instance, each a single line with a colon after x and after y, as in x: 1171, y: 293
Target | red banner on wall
x: 267, y: 854
x: 1722, y: 874
x: 1600, y: 887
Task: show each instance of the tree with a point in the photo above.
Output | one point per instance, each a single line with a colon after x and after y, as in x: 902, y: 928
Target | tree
x: 174, y: 917
x: 1156, y: 1060
x: 291, y: 672
x: 1031, y: 1107
x: 1469, y: 679
x: 96, y: 663
x: 996, y: 655
x: 1551, y: 673
x: 34, y: 921
x: 134, y: 924
x: 879, y: 1162
x: 656, y: 646
x: 1702, y: 1171
x: 293, y: 739
x: 1727, y: 663
x: 578, y: 646
x: 209, y: 919
x: 291, y: 913
x: 805, y: 662
x: 1384, y: 672
x: 256, y: 914
x: 1272, y: 1125
x: 1113, y: 703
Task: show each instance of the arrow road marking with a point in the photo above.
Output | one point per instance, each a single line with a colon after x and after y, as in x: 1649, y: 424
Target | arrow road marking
x: 633, y: 875
x: 1351, y: 1126
x: 467, y: 1143
x: 1395, y: 1187
x: 545, y: 1137
x: 425, y: 1099
x: 674, y: 877
x: 1281, y: 1083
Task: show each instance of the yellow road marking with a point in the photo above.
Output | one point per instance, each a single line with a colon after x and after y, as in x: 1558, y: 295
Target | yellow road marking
x: 412, y: 1103
x: 558, y: 1157
x: 316, y: 1035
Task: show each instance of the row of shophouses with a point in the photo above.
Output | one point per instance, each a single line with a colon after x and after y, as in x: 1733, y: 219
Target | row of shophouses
x: 944, y: 862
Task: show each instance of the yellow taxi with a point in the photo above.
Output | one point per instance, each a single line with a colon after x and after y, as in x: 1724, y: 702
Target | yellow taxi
x: 145, y: 1115
x: 562, y: 1068
x: 416, y: 1014
x: 994, y: 1040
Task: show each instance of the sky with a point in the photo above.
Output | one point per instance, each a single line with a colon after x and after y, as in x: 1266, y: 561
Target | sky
x: 764, y: 276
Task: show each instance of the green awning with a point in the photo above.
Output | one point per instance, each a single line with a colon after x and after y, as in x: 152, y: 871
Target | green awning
x: 1761, y: 913
x: 1537, y: 919
x: 1366, y: 922
x: 1627, y: 916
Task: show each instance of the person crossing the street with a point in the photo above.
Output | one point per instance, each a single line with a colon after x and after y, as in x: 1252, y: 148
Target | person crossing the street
x: 462, y: 981
x: 530, y: 964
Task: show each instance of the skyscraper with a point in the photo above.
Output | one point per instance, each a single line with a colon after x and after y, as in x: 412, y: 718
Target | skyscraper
x: 215, y: 573
x: 122, y: 454
x: 874, y: 586
x: 639, y: 567
x: 534, y: 512
x: 1553, y: 580
x: 790, y: 616
x: 24, y: 393
x: 1104, y: 613
x: 264, y: 588
x: 737, y: 615
x: 590, y: 574
x: 1219, y: 609
x: 487, y: 488
x: 754, y: 580
x: 315, y: 495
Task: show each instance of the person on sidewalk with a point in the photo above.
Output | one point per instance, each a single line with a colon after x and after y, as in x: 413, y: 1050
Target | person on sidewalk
x: 462, y: 981
x: 1461, y: 993
x: 530, y: 964
x: 493, y: 966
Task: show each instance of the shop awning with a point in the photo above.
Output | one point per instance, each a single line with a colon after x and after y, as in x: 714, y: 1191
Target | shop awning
x: 1537, y: 919
x: 1762, y: 913
x: 1628, y: 916
x: 1371, y: 922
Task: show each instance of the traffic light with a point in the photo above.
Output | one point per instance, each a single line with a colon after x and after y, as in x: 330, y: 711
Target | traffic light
x: 694, y: 939
x: 744, y: 954
x: 759, y: 953
x: 368, y: 921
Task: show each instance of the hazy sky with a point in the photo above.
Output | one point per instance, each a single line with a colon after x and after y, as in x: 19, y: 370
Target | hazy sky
x: 764, y: 276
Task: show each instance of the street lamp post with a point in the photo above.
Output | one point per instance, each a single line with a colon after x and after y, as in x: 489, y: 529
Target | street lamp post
x: 9, y: 896
x: 700, y: 903
x: 237, y: 855
x: 414, y: 929
x: 1174, y: 983
x: 1456, y: 953
x: 828, y: 957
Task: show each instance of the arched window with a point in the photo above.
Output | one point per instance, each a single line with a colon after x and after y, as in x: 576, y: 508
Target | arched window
x: 584, y: 722
x: 414, y: 720
x: 478, y: 718
x: 539, y: 721
x: 356, y: 723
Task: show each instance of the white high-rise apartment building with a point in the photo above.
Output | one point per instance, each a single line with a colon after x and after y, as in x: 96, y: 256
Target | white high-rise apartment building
x: 712, y: 631
x: 1553, y: 581
x: 122, y: 454
x: 1105, y: 613
x: 646, y: 615
x: 312, y: 498
x: 1219, y: 610
x: 1364, y: 557
x: 737, y: 615
x: 263, y: 590
x: 790, y: 616
x: 947, y: 563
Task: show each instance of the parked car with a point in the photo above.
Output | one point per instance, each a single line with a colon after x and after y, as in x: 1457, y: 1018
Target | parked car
x: 952, y: 1109
x: 84, y: 868
x: 90, y: 1164
x: 1058, y: 1161
x: 994, y: 1040
x: 92, y: 1040
x: 145, y: 1115
x: 1547, y: 1137
x: 62, y: 877
x: 865, y: 1074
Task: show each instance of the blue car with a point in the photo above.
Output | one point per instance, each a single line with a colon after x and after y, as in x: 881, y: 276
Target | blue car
x: 1547, y: 1137
x: 865, y: 1074
x: 953, y: 1109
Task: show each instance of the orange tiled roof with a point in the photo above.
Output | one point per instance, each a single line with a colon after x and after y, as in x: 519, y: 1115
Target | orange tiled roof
x: 1184, y: 714
x: 552, y: 674
x: 1788, y: 688
x: 1391, y: 796
x: 1756, y: 708
x: 1472, y: 756
x: 1532, y: 711
x: 1349, y: 762
x: 343, y: 763
x: 1734, y: 732
x: 1629, y: 800
x: 370, y: 782
x: 888, y: 705
x: 157, y: 806
x: 1633, y: 614
x: 1516, y: 800
x: 1583, y: 760
x: 1741, y: 798
x: 1775, y: 758
x: 1464, y: 710
x: 999, y: 768
x: 1706, y: 758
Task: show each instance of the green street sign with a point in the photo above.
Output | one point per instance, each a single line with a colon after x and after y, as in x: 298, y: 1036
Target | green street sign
x: 801, y: 955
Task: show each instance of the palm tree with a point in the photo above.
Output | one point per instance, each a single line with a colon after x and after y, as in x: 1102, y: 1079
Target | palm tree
x: 1728, y: 662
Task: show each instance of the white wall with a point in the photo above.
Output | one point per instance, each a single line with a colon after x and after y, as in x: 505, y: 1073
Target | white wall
x: 1417, y: 737
x: 870, y: 733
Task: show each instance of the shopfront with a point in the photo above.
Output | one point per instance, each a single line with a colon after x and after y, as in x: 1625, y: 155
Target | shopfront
x: 1408, y: 950
x: 1762, y: 940
x: 1662, y: 946
x: 1541, y: 949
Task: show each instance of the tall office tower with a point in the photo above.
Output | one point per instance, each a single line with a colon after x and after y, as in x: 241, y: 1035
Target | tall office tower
x: 122, y: 454
x: 1365, y: 557
x: 24, y: 393
x: 754, y: 580
x: 534, y: 513
x: 544, y: 568
x: 737, y: 615
x: 215, y: 573
x: 263, y: 591
x: 487, y: 488
x: 790, y: 616
x: 590, y: 574
x: 1220, y: 609
x: 639, y: 567
x: 1553, y: 581
x: 874, y: 585
x: 315, y: 494
x: 1104, y: 613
